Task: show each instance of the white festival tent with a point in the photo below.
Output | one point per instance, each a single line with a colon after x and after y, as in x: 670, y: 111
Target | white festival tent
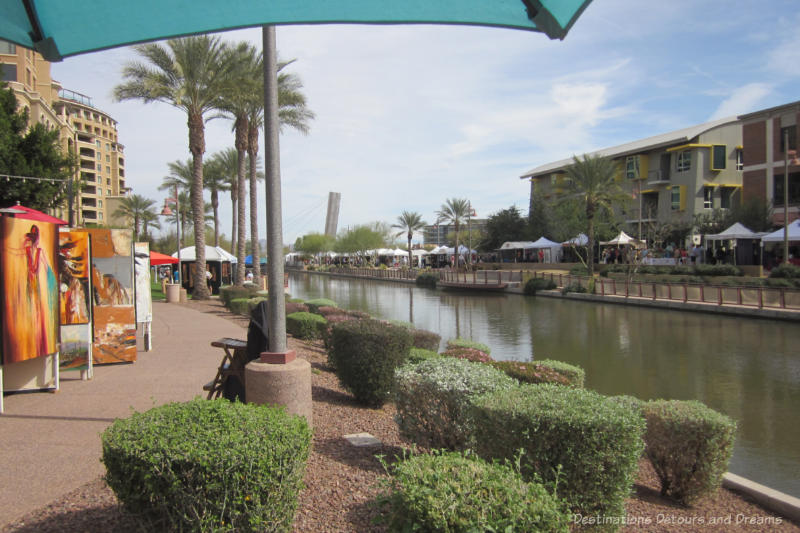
x: 623, y: 238
x: 213, y: 253
x: 516, y: 245
x: 580, y: 240
x: 736, y: 231
x: 777, y: 236
x: 551, y: 250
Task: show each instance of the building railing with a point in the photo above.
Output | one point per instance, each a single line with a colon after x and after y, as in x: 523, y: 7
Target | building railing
x: 756, y: 297
x: 377, y: 273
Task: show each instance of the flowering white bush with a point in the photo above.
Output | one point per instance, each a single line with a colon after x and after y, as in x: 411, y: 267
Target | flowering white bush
x: 432, y: 398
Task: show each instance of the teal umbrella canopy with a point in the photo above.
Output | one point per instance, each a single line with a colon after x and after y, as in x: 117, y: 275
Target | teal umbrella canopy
x: 59, y: 28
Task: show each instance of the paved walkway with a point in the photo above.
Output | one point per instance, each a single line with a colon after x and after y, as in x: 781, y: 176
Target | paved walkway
x: 49, y: 442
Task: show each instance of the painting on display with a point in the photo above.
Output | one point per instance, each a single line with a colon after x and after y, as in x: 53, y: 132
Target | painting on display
x: 29, y: 289
x: 113, y: 311
x: 74, y: 267
x: 144, y: 300
x: 76, y: 343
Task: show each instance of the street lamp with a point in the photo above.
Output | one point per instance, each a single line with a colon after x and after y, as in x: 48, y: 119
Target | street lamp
x: 167, y: 212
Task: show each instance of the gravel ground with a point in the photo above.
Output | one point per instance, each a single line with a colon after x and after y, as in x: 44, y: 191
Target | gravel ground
x: 341, y: 480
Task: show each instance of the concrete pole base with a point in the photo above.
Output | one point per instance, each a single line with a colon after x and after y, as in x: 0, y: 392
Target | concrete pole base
x: 280, y: 384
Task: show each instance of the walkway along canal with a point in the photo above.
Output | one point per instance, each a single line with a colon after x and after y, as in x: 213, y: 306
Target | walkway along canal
x: 746, y: 368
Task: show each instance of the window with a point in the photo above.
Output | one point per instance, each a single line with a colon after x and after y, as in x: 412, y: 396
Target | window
x: 708, y: 197
x: 108, y: 181
x: 108, y: 158
x: 792, y: 131
x: 108, y: 192
x: 684, y: 161
x: 678, y: 198
x: 7, y: 48
x: 99, y: 167
x: 632, y: 167
x: 108, y: 169
x: 100, y: 203
x: 100, y: 215
x: 97, y: 143
x: 725, y: 195
x: 718, y: 157
x: 739, y: 159
x: 794, y: 189
x: 8, y: 72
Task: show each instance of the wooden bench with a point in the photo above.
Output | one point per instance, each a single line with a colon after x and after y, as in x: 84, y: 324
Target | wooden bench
x: 232, y: 364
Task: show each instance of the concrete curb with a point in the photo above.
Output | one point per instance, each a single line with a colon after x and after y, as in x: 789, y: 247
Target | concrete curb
x: 770, y: 499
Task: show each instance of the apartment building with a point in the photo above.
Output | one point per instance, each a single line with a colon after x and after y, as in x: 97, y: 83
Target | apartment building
x: 85, y: 130
x: 767, y: 155
x: 437, y: 234
x: 670, y: 177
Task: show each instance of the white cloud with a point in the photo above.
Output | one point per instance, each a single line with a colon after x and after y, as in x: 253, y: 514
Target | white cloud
x: 742, y: 100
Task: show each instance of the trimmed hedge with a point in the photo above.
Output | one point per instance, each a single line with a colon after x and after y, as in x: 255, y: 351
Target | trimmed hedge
x: 573, y: 287
x: 253, y: 302
x: 231, y: 292
x: 296, y: 307
x: 538, y: 284
x: 365, y: 354
x: 239, y: 306
x: 314, y: 305
x: 575, y: 374
x: 417, y: 355
x: 426, y: 340
x: 469, y: 354
x: 305, y: 325
x: 468, y: 343
x: 327, y: 332
x: 785, y: 271
x: 208, y: 466
x: 452, y: 492
x: 427, y: 279
x: 588, y: 445
x: 526, y: 372
x: 689, y: 445
x: 433, y: 396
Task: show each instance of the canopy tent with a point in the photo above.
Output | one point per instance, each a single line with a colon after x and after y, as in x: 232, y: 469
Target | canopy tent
x: 161, y: 259
x: 248, y: 260
x: 28, y: 213
x: 777, y: 236
x: 736, y: 231
x: 621, y: 239
x: 213, y: 253
x: 516, y: 245
x: 543, y: 242
x: 580, y: 240
x: 57, y: 29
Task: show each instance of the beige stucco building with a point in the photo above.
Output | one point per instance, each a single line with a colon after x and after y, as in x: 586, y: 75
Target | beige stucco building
x: 85, y: 130
x: 673, y: 176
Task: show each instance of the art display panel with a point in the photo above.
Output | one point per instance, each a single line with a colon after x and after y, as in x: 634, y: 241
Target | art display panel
x: 29, y: 289
x: 76, y: 344
x: 113, y: 311
x: 74, y: 263
x: 144, y: 299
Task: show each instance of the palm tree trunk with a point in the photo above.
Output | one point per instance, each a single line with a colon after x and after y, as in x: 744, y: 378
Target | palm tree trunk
x: 455, y: 250
x: 215, y: 207
x: 410, y: 255
x: 197, y: 147
x: 241, y: 148
x: 234, y: 217
x: 252, y: 150
x: 590, y: 253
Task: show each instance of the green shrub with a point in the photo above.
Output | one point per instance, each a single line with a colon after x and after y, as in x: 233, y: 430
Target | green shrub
x: 467, y: 343
x: 631, y: 402
x: 314, y: 305
x: 305, y: 325
x: 785, y: 271
x: 715, y: 270
x: 689, y: 445
x: 253, y: 302
x: 575, y: 374
x: 468, y: 354
x: 573, y: 287
x: 296, y: 307
x: 530, y: 372
x: 590, y: 444
x: 417, y: 355
x: 239, y: 306
x: 578, y: 270
x: 208, y: 466
x: 449, y: 491
x: 432, y: 397
x: 327, y: 331
x: 426, y: 339
x: 365, y: 354
x: 295, y: 300
x: 538, y: 284
x: 782, y: 283
x: 262, y: 293
x: 326, y: 311
x: 427, y: 279
x: 232, y: 292
x: 402, y: 324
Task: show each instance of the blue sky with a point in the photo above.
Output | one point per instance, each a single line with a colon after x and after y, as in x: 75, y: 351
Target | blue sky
x: 408, y: 116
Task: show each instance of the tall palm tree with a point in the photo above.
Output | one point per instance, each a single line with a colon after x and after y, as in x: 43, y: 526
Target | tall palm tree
x: 454, y: 211
x: 180, y: 175
x: 149, y: 221
x: 215, y: 181
x: 228, y: 162
x: 133, y: 209
x: 189, y: 74
x: 592, y: 181
x: 409, y: 222
x: 292, y: 112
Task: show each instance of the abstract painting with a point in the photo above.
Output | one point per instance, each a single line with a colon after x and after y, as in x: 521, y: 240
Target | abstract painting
x: 74, y: 266
x: 113, y: 311
x: 29, y: 289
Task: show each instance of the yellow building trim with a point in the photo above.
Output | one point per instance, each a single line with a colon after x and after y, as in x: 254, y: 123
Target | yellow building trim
x: 688, y: 146
x: 731, y: 185
x: 646, y: 191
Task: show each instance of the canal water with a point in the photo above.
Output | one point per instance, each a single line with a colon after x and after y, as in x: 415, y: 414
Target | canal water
x: 746, y: 368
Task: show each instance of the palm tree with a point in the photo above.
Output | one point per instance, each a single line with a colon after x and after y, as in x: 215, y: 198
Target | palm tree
x: 592, y: 180
x: 149, y: 221
x: 409, y: 222
x: 215, y: 181
x: 180, y: 176
x: 133, y: 208
x: 228, y: 162
x: 292, y: 112
x: 454, y: 211
x: 189, y: 74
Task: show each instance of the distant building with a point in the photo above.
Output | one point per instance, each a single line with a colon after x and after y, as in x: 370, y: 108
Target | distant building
x: 673, y: 176
x: 85, y: 130
x: 437, y: 234
x: 764, y: 133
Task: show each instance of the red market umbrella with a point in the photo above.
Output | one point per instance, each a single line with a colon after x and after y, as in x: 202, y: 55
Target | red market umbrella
x: 161, y: 259
x: 32, y: 214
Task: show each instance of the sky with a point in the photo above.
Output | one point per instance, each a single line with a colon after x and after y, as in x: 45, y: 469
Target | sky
x: 409, y: 116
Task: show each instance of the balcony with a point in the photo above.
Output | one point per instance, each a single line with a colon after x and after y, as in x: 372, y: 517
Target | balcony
x: 88, y: 190
x: 89, y: 214
x: 657, y: 177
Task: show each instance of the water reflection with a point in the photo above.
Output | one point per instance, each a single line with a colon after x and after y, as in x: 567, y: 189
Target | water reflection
x: 748, y: 369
